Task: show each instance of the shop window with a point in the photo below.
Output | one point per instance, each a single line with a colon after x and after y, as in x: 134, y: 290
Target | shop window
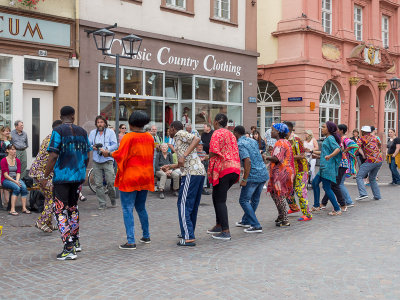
x: 187, y: 88
x: 154, y: 84
x: 327, y: 16
x: 329, y: 104
x: 107, y: 79
x: 186, y: 111
x: 235, y: 92
x: 5, y: 103
x: 171, y: 88
x: 40, y: 71
x: 133, y: 82
x: 202, y: 87
x: 358, y: 22
x: 268, y: 105
x: 5, y: 68
x: 219, y: 90
x: 153, y: 108
x: 390, y: 111
x: 205, y: 114
x: 385, y: 31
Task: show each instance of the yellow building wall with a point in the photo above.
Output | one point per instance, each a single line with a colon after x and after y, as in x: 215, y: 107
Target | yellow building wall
x: 60, y: 8
x: 269, y: 13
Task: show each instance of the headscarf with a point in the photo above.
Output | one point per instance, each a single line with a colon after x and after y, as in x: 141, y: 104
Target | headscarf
x: 332, y: 129
x: 280, y: 127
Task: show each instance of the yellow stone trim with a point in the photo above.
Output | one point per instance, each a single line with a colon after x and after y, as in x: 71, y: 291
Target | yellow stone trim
x: 382, y: 85
x: 354, y: 80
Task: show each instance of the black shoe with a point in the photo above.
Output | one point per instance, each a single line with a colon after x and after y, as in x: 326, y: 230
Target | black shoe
x: 127, y: 246
x: 67, y: 254
x: 205, y: 192
x: 77, y: 245
x: 145, y: 240
x: 278, y: 222
x: 226, y: 236
x: 284, y: 224
x: 214, y: 230
x: 253, y: 230
x: 183, y: 242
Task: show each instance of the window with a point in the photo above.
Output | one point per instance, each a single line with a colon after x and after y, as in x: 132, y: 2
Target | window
x: 268, y: 105
x: 177, y: 3
x: 329, y: 104
x: 358, y: 24
x: 133, y: 82
x: 202, y: 88
x: 5, y: 103
x: 385, y: 31
x: 327, y: 16
x: 222, y: 9
x: 5, y: 68
x: 219, y: 90
x: 154, y: 84
x: 40, y: 70
x: 390, y: 111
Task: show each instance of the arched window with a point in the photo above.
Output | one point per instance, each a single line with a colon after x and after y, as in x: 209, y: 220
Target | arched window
x: 329, y: 104
x: 268, y: 105
x: 390, y: 111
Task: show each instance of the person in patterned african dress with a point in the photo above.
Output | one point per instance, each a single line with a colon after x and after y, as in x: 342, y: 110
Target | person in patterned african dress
x: 37, y: 173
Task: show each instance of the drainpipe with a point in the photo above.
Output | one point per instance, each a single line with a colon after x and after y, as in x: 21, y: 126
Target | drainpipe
x: 77, y: 28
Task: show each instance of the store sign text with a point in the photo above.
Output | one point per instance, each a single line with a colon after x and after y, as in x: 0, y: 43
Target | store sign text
x: 34, y: 30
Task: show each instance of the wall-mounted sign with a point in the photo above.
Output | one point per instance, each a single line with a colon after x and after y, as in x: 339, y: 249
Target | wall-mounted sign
x: 42, y: 52
x: 34, y: 30
x: 295, y: 99
x: 252, y: 99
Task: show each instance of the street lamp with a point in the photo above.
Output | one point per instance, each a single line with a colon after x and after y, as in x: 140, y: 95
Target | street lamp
x: 395, y: 85
x: 103, y: 39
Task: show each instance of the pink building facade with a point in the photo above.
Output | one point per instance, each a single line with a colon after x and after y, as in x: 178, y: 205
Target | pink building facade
x: 335, y: 59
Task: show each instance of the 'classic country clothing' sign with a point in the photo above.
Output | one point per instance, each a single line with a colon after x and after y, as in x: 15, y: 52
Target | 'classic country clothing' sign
x: 34, y: 30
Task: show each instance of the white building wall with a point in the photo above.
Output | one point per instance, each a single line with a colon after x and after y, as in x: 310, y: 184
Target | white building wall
x: 149, y: 17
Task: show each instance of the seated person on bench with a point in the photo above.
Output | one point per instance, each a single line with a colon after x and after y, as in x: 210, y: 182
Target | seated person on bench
x: 165, y: 158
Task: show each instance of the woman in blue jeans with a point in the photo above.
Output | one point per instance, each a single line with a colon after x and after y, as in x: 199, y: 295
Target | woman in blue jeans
x: 330, y: 158
x: 10, y: 179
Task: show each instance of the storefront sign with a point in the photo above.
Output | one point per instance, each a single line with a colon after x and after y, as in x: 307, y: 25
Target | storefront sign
x: 295, y: 99
x: 34, y: 30
x: 252, y: 99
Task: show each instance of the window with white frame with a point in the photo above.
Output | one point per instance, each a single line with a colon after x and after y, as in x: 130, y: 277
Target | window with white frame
x: 268, y: 105
x: 327, y: 16
x: 385, y: 31
x: 329, y: 104
x: 177, y: 3
x: 390, y: 111
x: 222, y: 9
x: 41, y: 70
x: 358, y: 22
x: 6, y: 90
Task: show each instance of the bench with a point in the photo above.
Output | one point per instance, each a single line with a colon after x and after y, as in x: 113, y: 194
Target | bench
x: 35, y: 187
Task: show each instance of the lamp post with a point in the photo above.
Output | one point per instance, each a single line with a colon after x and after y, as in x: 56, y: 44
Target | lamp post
x: 395, y: 85
x: 103, y: 39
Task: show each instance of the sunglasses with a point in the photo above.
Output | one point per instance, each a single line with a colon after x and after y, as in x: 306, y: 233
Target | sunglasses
x: 123, y: 127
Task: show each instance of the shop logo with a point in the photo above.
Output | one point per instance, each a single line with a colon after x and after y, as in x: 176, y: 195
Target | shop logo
x: 14, y: 28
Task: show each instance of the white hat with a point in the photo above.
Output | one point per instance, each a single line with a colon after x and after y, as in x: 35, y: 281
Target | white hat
x: 366, y: 128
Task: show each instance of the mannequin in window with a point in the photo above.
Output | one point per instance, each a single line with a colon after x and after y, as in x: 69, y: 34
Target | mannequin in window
x: 185, y: 116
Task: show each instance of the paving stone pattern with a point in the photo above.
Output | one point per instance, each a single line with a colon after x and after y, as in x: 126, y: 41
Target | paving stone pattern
x: 354, y: 256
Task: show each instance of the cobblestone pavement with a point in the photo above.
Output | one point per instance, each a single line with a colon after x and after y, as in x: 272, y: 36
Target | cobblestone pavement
x: 354, y: 256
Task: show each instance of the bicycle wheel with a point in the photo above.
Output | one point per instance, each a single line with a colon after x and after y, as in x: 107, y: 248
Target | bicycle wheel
x: 91, y: 181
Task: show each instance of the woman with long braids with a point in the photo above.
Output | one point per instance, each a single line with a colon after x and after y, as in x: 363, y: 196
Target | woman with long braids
x: 223, y: 172
x: 282, y: 172
x: 330, y: 158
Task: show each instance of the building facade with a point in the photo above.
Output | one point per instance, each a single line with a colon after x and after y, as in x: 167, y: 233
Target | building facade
x: 328, y: 60
x: 36, y: 79
x: 197, y: 59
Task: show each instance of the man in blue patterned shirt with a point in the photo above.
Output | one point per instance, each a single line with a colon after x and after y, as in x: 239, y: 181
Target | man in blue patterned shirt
x: 68, y: 157
x: 254, y: 177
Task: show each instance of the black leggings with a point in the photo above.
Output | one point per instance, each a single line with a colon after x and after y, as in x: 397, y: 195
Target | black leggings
x: 336, y: 189
x: 219, y: 195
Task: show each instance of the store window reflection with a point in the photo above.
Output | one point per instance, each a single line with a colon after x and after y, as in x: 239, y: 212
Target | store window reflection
x: 107, y: 79
x: 235, y: 91
x: 133, y: 82
x: 202, y: 87
x: 5, y: 104
x: 171, y: 88
x: 205, y: 114
x: 5, y: 67
x: 219, y: 90
x: 187, y: 91
x: 154, y: 84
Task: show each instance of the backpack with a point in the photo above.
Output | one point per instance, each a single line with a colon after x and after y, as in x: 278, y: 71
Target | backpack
x: 36, y: 201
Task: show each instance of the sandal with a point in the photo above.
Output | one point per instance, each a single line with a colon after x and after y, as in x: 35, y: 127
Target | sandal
x: 43, y: 227
x: 335, y: 213
x: 315, y: 209
x: 322, y: 207
x: 28, y: 212
x: 13, y: 213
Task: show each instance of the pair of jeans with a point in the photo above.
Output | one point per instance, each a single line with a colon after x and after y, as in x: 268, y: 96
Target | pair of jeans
x: 16, y: 190
x: 249, y: 200
x: 326, y: 185
x: 219, y: 195
x: 106, y: 168
x: 188, y: 204
x: 393, y: 169
x: 345, y: 192
x: 335, y: 186
x: 371, y: 170
x: 137, y: 200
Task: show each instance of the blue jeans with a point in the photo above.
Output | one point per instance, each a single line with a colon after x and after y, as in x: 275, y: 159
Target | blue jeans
x: 345, y: 192
x: 326, y: 185
x: 370, y: 169
x: 16, y: 190
x: 137, y: 200
x: 395, y: 173
x: 249, y: 200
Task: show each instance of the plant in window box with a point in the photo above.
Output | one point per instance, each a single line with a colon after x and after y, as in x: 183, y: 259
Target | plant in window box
x: 28, y: 3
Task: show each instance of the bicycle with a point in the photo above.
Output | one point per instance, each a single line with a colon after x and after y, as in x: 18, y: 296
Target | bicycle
x: 90, y: 180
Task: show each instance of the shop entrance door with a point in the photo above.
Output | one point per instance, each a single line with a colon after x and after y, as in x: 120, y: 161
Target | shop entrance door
x: 38, y: 118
